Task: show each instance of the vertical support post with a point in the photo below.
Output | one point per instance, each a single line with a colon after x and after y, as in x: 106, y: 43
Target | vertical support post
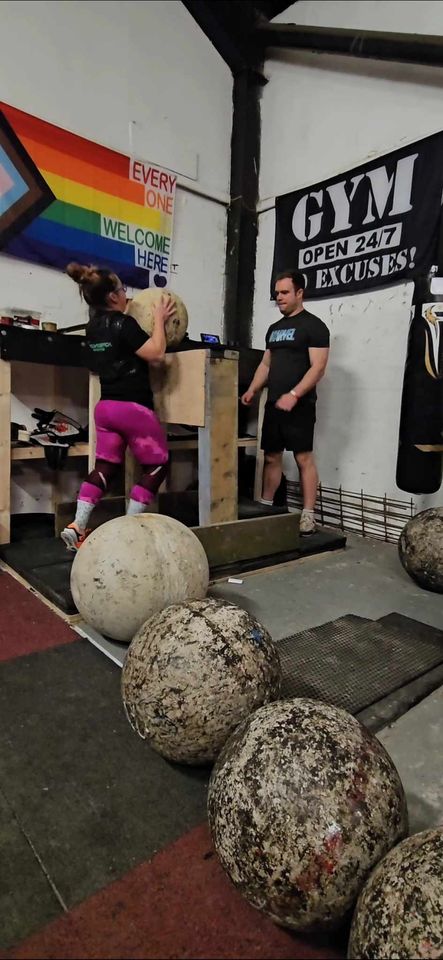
x: 217, y: 448
x: 242, y: 219
x: 5, y: 451
x: 57, y: 393
x: 260, y: 457
x: 94, y: 397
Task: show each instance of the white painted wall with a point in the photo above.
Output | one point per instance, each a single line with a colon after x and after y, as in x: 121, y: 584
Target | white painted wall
x: 323, y: 114
x: 133, y: 75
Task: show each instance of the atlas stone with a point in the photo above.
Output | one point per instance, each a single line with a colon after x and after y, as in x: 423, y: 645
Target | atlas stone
x: 303, y: 802
x: 421, y: 549
x: 193, y: 672
x: 142, y: 308
x: 131, y: 567
x: 399, y: 913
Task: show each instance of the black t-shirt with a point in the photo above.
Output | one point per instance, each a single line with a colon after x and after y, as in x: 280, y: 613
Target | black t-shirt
x: 112, y: 339
x: 289, y: 340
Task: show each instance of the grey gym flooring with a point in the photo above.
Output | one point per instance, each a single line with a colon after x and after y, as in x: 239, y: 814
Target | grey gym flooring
x: 366, y: 579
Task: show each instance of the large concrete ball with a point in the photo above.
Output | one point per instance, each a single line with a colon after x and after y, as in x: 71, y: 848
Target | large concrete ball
x: 303, y: 802
x: 142, y: 308
x: 193, y: 672
x: 399, y: 913
x: 421, y: 549
x: 131, y: 567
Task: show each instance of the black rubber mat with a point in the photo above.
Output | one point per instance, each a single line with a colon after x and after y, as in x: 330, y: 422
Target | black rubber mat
x: 24, y: 889
x: 85, y: 793
x: 45, y: 564
x: 354, y: 664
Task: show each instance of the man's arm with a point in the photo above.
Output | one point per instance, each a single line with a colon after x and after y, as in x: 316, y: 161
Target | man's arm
x: 319, y: 359
x: 259, y: 380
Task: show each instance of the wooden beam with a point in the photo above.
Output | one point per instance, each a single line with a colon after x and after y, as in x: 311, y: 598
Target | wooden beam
x: 240, y: 540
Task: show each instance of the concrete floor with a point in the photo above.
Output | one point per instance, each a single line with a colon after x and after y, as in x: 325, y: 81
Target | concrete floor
x: 365, y: 579
x: 414, y: 743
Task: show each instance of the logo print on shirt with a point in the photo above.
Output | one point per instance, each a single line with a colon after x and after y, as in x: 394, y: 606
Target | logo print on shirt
x: 278, y: 335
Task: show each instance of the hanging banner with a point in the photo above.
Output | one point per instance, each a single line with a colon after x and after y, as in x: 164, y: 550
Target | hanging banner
x: 65, y: 198
x: 374, y: 225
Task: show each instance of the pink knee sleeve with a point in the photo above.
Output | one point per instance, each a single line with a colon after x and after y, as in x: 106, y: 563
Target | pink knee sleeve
x: 90, y: 493
x: 151, y: 480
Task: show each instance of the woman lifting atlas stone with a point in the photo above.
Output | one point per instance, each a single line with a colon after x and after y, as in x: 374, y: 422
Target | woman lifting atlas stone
x: 119, y: 351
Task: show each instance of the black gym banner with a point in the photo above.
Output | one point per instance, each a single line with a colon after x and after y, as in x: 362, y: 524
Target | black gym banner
x: 374, y: 225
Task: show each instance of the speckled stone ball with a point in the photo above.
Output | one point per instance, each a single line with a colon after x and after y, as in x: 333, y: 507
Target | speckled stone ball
x: 399, y: 914
x: 142, y: 308
x: 421, y: 549
x: 303, y: 802
x: 131, y: 567
x: 193, y: 672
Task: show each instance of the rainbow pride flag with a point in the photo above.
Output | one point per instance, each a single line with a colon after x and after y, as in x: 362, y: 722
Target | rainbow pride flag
x: 65, y: 198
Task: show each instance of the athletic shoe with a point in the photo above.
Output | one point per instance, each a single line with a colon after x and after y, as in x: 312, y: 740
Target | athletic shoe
x: 73, y: 537
x: 307, y: 523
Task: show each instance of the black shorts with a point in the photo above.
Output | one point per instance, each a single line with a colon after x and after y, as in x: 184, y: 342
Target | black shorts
x: 288, y: 431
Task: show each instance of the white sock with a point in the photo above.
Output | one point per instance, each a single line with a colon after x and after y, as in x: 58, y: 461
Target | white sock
x: 267, y: 503
x: 84, y: 510
x: 135, y: 507
x: 308, y: 511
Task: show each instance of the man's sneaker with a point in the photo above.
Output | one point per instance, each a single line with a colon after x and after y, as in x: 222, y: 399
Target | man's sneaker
x: 307, y: 523
x: 73, y: 537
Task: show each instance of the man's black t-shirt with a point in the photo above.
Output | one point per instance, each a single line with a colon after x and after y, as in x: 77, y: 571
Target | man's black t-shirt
x: 112, y: 339
x: 289, y: 340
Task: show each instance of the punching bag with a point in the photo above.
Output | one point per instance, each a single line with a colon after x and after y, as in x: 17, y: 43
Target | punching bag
x: 420, y: 453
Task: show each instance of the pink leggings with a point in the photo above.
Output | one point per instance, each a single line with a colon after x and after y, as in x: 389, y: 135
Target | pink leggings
x: 120, y: 424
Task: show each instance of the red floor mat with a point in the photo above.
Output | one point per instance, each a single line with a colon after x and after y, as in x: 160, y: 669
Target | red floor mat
x: 26, y: 623
x: 178, y: 906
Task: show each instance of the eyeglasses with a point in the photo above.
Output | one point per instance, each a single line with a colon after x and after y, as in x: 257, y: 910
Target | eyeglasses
x: 121, y: 287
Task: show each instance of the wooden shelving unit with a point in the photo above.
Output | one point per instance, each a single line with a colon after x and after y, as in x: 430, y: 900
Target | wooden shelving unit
x: 82, y: 449
x: 38, y: 453
x: 197, y: 388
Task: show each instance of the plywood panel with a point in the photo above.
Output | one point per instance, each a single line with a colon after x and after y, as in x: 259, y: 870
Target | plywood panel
x: 179, y: 388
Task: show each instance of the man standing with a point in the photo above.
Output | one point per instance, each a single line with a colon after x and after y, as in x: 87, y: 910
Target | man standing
x: 297, y: 348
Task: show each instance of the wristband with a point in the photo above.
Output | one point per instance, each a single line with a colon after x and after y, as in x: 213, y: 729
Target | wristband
x: 294, y: 394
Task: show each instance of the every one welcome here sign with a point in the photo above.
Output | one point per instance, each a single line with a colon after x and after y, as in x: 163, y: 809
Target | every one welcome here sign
x: 64, y: 198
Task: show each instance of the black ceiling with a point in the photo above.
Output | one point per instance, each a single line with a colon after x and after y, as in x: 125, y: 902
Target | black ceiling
x: 230, y: 26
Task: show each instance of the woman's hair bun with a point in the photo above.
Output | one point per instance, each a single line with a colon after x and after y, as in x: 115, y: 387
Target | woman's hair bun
x: 81, y: 273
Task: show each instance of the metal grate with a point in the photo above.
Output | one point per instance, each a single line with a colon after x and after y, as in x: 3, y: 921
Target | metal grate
x: 354, y: 663
x: 380, y: 518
